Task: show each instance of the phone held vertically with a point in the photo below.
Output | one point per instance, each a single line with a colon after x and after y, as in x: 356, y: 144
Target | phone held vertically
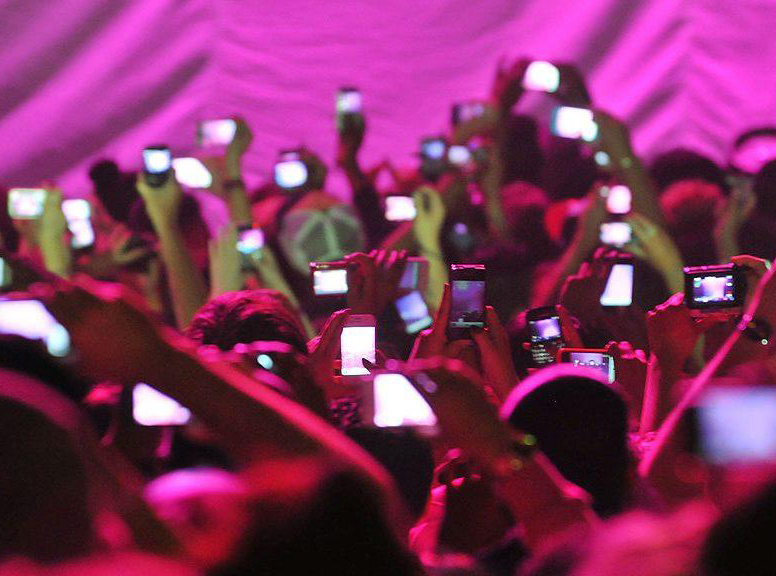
x: 467, y: 306
x: 357, y: 344
x: 157, y: 164
x: 546, y: 334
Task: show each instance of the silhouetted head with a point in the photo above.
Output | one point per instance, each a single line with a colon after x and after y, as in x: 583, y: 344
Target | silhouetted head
x: 580, y: 423
x: 683, y: 164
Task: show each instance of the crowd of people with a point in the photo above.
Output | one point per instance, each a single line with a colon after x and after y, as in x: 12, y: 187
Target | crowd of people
x: 193, y: 391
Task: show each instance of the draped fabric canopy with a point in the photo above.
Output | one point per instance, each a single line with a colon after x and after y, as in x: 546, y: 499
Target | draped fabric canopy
x: 84, y: 79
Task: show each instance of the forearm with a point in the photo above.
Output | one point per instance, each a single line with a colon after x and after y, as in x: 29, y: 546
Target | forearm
x: 236, y: 194
x: 56, y: 253
x: 248, y: 418
x: 542, y: 501
x: 366, y: 202
x: 658, y: 391
x: 548, y: 290
x: 187, y: 287
x: 631, y: 172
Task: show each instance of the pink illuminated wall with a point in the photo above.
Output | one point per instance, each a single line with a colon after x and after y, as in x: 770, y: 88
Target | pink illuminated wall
x: 80, y: 79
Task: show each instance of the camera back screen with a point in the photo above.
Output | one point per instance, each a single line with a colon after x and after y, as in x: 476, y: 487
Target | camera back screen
x: 545, y: 330
x: 152, y: 408
x: 619, y: 286
x: 738, y: 424
x: 290, y: 173
x: 397, y: 403
x: 330, y: 282
x: 357, y: 343
x: 713, y: 289
x: 602, y: 362
x: 414, y: 312
x: 30, y: 319
x: 468, y: 305
x: 399, y: 208
x: 156, y: 161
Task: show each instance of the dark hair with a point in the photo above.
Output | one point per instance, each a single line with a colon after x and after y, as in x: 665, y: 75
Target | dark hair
x: 407, y: 458
x: 9, y: 237
x: 522, y: 155
x: 245, y: 317
x: 324, y: 518
x: 764, y: 188
x: 684, y: 164
x: 116, y: 190
x: 742, y: 541
x: 580, y: 423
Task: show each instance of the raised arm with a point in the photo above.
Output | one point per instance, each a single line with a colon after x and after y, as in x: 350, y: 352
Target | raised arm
x: 186, y: 285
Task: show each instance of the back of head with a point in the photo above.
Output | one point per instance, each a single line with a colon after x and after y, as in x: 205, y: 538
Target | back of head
x: 684, y: 164
x: 580, y: 423
x: 522, y: 154
x: 248, y: 316
x: 116, y: 190
x: 310, y: 517
x: 690, y: 208
x: 407, y: 458
x: 45, y: 513
x: 764, y: 188
x: 319, y: 228
x: 742, y: 541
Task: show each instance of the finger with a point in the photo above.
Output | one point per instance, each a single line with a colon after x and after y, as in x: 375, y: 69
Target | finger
x: 442, y: 316
x: 498, y: 334
x: 329, y: 341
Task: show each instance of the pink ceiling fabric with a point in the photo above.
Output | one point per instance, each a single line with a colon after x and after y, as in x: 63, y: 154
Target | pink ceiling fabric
x: 83, y: 79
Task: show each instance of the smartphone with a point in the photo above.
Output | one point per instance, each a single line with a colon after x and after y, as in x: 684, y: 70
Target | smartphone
x: 714, y: 289
x: 618, y: 199
x: 152, y: 408
x: 192, y: 173
x: 415, y: 276
x: 5, y: 274
x: 467, y: 306
x: 590, y: 358
x: 459, y: 156
x: 616, y: 234
x: 737, y: 425
x: 391, y: 401
x: 26, y: 203
x: 290, y: 170
x: 546, y: 334
x: 78, y: 214
x: 30, y: 319
x: 465, y: 111
x: 618, y: 291
x: 213, y: 133
x: 414, y: 312
x: 250, y: 241
x: 157, y: 162
x: 569, y: 122
x: 357, y: 343
x: 348, y: 101
x: 329, y: 278
x: 433, y: 148
x: 399, y: 208
x: 541, y: 76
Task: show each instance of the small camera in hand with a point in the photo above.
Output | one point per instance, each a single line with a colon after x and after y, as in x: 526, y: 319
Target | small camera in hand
x: 714, y: 290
